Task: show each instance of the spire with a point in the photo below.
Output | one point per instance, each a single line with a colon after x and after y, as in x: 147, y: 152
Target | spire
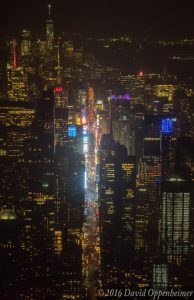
x: 58, y: 65
x: 14, y: 54
x: 49, y: 10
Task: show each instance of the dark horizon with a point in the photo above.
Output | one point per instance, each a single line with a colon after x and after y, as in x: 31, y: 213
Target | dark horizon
x: 148, y: 19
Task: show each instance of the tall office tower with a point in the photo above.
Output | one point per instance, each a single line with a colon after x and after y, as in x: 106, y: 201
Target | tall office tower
x: 58, y: 68
x: 61, y: 97
x: 61, y: 116
x: 119, y: 106
x: 138, y: 130
x: 134, y: 85
x: 9, y: 249
x: 70, y: 214
x: 150, y: 171
x: 49, y: 30
x: 141, y: 220
x: 184, y: 157
x: 15, y: 120
x: 175, y: 223
x: 75, y: 197
x: 123, y: 133
x: 78, y: 56
x: 167, y: 145
x: 61, y: 126
x: 128, y: 131
x: 117, y: 189
x: 184, y: 108
x: 68, y: 52
x: 42, y: 49
x: 61, y: 212
x: 39, y: 204
x: 17, y: 83
x: 61, y: 175
x: 160, y: 276
x: 26, y: 43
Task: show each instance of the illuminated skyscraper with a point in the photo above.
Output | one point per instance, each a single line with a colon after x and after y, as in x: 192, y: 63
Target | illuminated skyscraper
x: 9, y: 248
x: 15, y: 120
x: 134, y: 85
x: 61, y: 115
x: 184, y: 157
x: 17, y: 79
x: 176, y: 209
x: 58, y: 68
x: 116, y: 198
x: 39, y: 205
x: 73, y: 284
x: 17, y: 88
x: 167, y: 147
x: 141, y: 220
x: 26, y: 43
x: 160, y: 276
x: 49, y: 29
x: 150, y: 172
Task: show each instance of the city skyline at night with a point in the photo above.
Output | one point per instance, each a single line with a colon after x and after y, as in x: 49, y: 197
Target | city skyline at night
x: 96, y: 150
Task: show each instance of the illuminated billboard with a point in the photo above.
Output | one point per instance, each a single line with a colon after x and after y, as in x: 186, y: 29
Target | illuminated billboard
x: 166, y: 125
x: 84, y: 120
x: 85, y: 130
x: 72, y: 131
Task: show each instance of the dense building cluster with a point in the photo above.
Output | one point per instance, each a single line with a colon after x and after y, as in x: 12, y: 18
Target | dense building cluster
x: 96, y: 171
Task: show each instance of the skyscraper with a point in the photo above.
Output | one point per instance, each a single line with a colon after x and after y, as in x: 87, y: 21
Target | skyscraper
x: 49, y: 29
x: 17, y: 83
x: 176, y: 209
x: 9, y: 249
x: 116, y: 199
x: 150, y: 172
x: 167, y: 147
x: 26, y: 43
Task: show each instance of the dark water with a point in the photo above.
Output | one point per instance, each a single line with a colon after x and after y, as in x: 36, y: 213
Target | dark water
x: 149, y: 57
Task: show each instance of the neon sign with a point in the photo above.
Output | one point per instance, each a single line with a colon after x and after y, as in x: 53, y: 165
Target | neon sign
x: 120, y: 97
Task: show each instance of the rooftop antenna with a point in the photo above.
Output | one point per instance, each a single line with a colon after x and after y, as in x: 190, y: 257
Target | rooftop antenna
x: 58, y: 65
x: 49, y: 10
x: 14, y: 54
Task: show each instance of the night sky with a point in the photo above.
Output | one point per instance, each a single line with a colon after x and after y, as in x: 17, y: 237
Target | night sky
x: 141, y: 18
